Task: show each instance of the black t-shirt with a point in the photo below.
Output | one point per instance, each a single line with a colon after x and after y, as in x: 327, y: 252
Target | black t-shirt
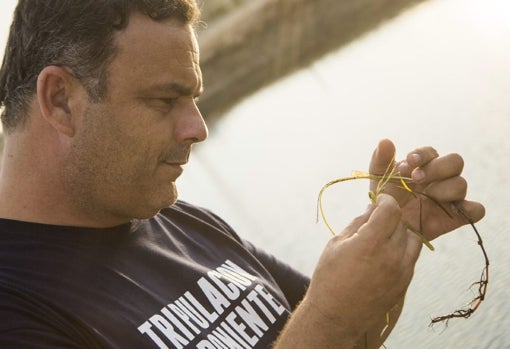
x: 182, y: 279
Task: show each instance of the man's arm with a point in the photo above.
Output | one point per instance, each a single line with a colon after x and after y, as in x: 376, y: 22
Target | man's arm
x: 371, y: 339
x: 377, y: 335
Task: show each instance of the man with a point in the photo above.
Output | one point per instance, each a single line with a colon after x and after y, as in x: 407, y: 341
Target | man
x: 95, y: 249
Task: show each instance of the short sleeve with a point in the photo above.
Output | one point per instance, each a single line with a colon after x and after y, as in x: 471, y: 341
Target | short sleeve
x: 292, y: 282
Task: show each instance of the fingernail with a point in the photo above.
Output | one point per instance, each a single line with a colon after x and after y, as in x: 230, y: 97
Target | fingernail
x: 418, y: 175
x: 403, y: 167
x: 415, y: 159
x: 380, y: 197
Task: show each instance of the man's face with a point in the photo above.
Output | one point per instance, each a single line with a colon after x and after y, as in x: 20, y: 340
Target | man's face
x: 129, y: 150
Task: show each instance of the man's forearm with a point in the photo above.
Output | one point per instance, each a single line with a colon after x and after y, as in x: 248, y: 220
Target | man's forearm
x: 377, y: 335
x: 308, y: 329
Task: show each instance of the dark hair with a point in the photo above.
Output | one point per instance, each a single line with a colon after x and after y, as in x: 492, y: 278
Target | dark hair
x: 77, y: 34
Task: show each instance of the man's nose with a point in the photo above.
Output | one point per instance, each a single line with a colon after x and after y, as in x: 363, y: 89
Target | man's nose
x: 191, y: 127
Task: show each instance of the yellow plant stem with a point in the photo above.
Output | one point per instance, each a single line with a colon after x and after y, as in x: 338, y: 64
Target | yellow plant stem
x: 382, y: 181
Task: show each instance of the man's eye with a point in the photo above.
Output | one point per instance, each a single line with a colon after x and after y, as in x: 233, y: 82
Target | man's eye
x: 161, y: 103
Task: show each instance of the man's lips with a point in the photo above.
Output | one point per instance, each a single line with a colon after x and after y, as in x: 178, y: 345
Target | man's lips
x: 173, y: 169
x: 176, y: 163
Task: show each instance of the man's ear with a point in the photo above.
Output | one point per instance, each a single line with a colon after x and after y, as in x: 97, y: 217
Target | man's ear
x: 55, y: 89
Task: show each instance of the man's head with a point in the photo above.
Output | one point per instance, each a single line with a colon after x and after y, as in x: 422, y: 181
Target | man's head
x: 77, y: 34
x: 98, y: 129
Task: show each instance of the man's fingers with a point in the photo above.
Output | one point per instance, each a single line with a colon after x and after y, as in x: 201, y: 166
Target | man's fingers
x: 472, y: 209
x: 383, y: 221
x: 421, y: 156
x: 451, y: 189
x: 438, y: 168
x: 355, y: 224
x: 382, y: 157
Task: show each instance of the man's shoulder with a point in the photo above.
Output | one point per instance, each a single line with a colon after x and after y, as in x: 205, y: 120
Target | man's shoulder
x: 182, y: 211
x: 185, y: 207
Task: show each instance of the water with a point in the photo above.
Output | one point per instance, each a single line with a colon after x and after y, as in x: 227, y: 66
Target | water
x: 439, y: 74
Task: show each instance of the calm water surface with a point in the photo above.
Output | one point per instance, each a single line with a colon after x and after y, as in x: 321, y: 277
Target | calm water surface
x: 439, y: 74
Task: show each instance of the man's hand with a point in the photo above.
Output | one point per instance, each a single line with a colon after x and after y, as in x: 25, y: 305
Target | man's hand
x: 435, y: 180
x: 363, y: 272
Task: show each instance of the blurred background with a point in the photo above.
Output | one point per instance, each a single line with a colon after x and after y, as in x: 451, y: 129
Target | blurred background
x: 432, y: 72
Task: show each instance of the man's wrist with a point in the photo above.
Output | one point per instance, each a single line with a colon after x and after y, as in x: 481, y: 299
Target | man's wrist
x: 312, y: 327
